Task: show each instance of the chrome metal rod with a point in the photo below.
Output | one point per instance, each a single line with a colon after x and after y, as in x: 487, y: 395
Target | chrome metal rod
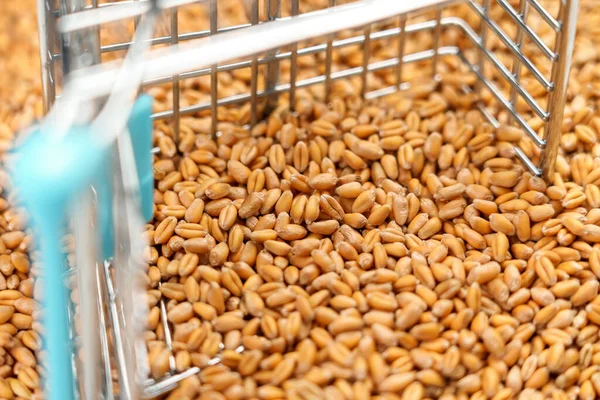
x: 87, y: 17
x: 113, y: 316
x: 535, y: 38
x: 516, y: 68
x: 545, y: 14
x: 366, y: 53
x: 515, y: 48
x: 182, y: 37
x: 337, y: 44
x: 565, y: 44
x: 154, y: 389
x: 501, y: 68
x: 81, y: 47
x: 101, y: 290
x: 175, y: 88
x: 448, y: 21
x: 401, y: 49
x: 282, y: 88
x: 294, y: 60
x: 255, y: 39
x: 505, y: 103
x: 483, y: 29
x: 167, y: 332
x: 329, y: 59
x: 254, y: 70
x: 273, y: 12
x: 46, y: 62
x: 214, y: 74
x: 437, y: 33
x: 86, y: 266
x: 527, y: 161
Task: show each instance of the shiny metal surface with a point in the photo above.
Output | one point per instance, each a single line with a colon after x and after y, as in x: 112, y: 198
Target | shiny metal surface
x: 68, y: 49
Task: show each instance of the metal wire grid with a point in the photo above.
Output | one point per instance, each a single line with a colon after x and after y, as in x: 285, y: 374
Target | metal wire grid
x: 111, y: 370
x: 273, y: 87
x: 53, y: 47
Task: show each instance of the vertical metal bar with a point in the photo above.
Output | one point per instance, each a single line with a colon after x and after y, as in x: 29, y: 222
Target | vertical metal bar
x: 294, y: 59
x: 175, y: 87
x: 564, y: 46
x: 483, y: 30
x: 558, y: 36
x: 401, y: 49
x: 273, y: 11
x: 436, y: 42
x: 136, y: 20
x: 46, y: 41
x: 113, y: 316
x: 127, y: 286
x: 214, y: 77
x: 95, y: 31
x: 254, y: 70
x: 516, y: 68
x: 366, y: 56
x: 103, y: 334
x: 86, y: 265
x: 167, y: 331
x: 79, y: 381
x: 329, y: 60
x: 81, y: 48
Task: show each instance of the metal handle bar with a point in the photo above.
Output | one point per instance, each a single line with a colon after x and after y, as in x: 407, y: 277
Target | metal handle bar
x: 96, y: 81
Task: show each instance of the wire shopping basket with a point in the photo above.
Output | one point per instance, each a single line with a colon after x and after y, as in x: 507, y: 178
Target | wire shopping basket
x: 110, y: 340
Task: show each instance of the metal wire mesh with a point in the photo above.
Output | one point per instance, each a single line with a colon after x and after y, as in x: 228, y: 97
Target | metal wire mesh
x: 510, y: 81
x: 268, y: 64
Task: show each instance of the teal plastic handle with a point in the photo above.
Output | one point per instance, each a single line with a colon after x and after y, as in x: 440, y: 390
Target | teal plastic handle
x: 140, y: 129
x: 103, y: 186
x: 49, y: 173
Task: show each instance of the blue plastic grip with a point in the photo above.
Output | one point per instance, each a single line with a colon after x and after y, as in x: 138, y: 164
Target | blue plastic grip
x: 103, y: 186
x: 140, y: 128
x: 49, y: 172
x: 59, y: 380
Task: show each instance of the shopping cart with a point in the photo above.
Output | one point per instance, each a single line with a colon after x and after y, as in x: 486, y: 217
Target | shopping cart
x: 70, y: 47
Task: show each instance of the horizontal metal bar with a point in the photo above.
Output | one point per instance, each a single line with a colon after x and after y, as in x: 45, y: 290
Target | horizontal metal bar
x: 418, y: 27
x: 513, y: 47
x: 530, y: 32
x: 101, y: 5
x: 356, y: 40
x: 282, y: 88
x: 341, y: 74
x: 167, y: 39
x: 164, y: 39
x: 218, y: 49
x: 554, y: 24
x: 96, y: 16
x: 356, y: 71
x: 381, y: 92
